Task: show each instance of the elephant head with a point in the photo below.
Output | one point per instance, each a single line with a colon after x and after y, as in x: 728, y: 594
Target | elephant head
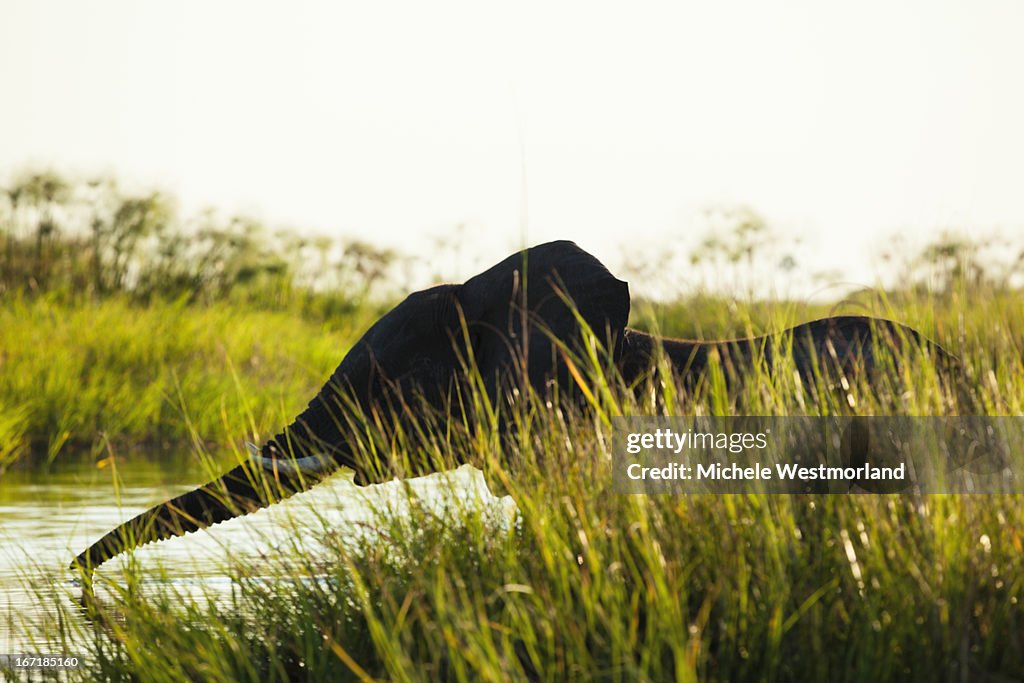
x: 502, y: 322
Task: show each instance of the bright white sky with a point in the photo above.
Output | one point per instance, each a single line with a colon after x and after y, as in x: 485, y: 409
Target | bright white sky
x: 839, y: 122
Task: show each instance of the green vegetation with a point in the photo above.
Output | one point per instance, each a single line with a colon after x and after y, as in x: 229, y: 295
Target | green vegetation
x: 124, y: 325
x: 114, y: 375
x: 588, y: 585
x: 90, y: 240
x: 581, y: 584
x: 87, y: 377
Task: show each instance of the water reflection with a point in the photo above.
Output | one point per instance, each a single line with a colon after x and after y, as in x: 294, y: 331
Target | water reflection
x: 45, y: 520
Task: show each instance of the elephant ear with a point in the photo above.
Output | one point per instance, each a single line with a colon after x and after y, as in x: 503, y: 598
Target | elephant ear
x: 516, y: 309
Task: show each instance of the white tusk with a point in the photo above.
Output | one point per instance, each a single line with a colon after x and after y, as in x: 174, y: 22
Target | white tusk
x: 311, y: 464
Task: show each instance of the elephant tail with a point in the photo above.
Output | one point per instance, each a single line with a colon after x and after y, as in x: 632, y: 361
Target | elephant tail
x: 255, y: 484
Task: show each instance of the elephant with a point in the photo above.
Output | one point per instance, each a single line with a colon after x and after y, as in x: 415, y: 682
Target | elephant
x: 518, y: 324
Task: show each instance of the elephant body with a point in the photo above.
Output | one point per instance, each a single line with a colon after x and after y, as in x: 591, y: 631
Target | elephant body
x: 516, y: 324
x: 838, y: 343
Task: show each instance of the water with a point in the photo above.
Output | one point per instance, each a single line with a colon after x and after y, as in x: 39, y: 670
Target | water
x: 45, y: 520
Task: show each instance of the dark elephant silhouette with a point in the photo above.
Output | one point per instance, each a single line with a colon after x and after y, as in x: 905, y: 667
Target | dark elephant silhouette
x: 515, y: 323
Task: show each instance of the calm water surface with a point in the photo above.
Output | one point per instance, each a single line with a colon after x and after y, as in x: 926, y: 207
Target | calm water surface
x: 45, y: 520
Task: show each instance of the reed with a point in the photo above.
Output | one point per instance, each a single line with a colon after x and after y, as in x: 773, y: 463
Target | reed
x: 582, y: 584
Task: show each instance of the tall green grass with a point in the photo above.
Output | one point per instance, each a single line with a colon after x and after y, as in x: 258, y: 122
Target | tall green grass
x: 87, y: 376
x: 586, y: 585
x: 90, y: 375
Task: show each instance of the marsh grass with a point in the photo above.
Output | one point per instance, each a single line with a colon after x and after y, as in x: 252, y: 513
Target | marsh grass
x: 582, y: 584
x: 121, y: 331
x: 88, y: 376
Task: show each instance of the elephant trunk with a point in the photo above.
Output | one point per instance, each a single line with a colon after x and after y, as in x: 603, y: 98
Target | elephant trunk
x: 250, y: 486
x: 309, y: 450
